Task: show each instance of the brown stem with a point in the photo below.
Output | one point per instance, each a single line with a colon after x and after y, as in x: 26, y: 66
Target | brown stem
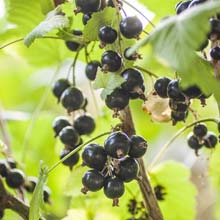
x: 149, y: 197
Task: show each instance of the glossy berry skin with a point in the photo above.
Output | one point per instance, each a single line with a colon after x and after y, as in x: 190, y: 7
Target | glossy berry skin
x: 107, y: 34
x: 117, y: 100
x: 30, y: 184
x: 133, y: 79
x: 215, y: 53
x: 91, y: 69
x: 59, y: 123
x: 210, y: 140
x: 131, y: 27
x: 178, y: 116
x: 88, y: 6
x: 174, y: 92
x: 138, y: 146
x: 182, y: 6
x: 93, y: 180
x: 200, y: 130
x: 128, y: 169
x: 72, y: 160
x: 113, y: 188
x: 111, y: 61
x: 178, y: 106
x: 94, y: 156
x: 84, y: 124
x: 192, y: 92
x: 15, y: 178
x: 59, y: 87
x: 74, y: 46
x: 3, y: 168
x: 161, y: 85
x: 193, y: 142
x: 86, y: 18
x: 69, y: 136
x: 72, y: 99
x: 196, y: 2
x: 117, y: 145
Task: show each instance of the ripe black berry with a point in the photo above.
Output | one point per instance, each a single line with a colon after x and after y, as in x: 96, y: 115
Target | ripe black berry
x: 174, y: 91
x: 60, y: 123
x: 93, y: 181
x: 128, y: 169
x: 70, y: 161
x: 3, y: 168
x: 74, y: 46
x: 86, y: 18
x: 87, y: 6
x: 117, y: 145
x: 84, y: 124
x: 72, y: 99
x: 182, y: 6
x: 15, y: 178
x: 94, y: 156
x: 178, y: 116
x: 193, y: 142
x: 178, y: 106
x: 215, y: 28
x: 161, y: 85
x: 192, y: 92
x: 107, y: 34
x: 138, y: 146
x: 69, y: 136
x: 111, y: 61
x: 210, y: 140
x: 91, y: 69
x: 30, y: 183
x: 200, y: 130
x: 215, y: 53
x: 131, y: 27
x: 59, y: 87
x: 46, y: 194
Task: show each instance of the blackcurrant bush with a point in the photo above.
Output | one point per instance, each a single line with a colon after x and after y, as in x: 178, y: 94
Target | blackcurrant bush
x: 86, y: 18
x: 178, y: 116
x: 91, y: 69
x: 72, y: 99
x: 93, y: 181
x: 69, y: 136
x: 182, y: 6
x: 200, y: 130
x: 117, y: 145
x: 114, y: 188
x: 133, y: 79
x: 133, y: 56
x: 174, y: 92
x: 15, y: 178
x: 138, y: 146
x: 131, y: 27
x: 215, y: 53
x: 71, y: 45
x: 178, y: 106
x: 87, y: 6
x: 70, y: 161
x: 111, y: 61
x: 128, y: 169
x: 3, y: 168
x: 84, y: 124
x: 59, y: 87
x: 210, y: 140
x: 30, y: 183
x: 59, y: 123
x: 192, y: 92
x: 94, y: 156
x: 117, y: 100
x: 161, y: 85
x: 196, y: 2
x: 194, y: 143
x: 46, y: 194
x: 107, y: 34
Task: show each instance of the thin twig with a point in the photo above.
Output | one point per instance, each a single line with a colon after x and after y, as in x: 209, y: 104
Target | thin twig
x: 146, y: 71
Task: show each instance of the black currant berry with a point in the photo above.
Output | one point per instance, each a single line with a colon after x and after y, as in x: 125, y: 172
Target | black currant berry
x: 117, y: 145
x: 194, y: 143
x: 133, y: 56
x: 15, y: 178
x: 215, y: 53
x: 174, y: 92
x: 117, y: 100
x: 138, y: 146
x: 59, y: 123
x: 3, y: 168
x: 87, y: 6
x: 69, y: 136
x: 107, y: 34
x: 30, y: 183
x: 94, y: 156
x: 133, y: 79
x: 200, y: 130
x: 196, y: 2
x: 161, y: 85
x: 91, y: 69
x: 86, y: 18
x: 192, y: 92
x: 72, y: 99
x: 128, y: 169
x: 71, y: 45
x: 84, y: 124
x: 215, y: 28
x: 93, y: 181
x: 59, y: 87
x: 178, y: 116
x: 46, y: 194
x: 182, y: 6
x: 178, y: 106
x: 114, y: 188
x: 131, y: 27
x: 210, y: 140
x: 111, y: 61
x: 70, y: 161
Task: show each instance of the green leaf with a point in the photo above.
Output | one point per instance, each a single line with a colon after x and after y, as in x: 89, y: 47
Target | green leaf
x: 175, y: 40
x: 107, y: 81
x: 37, y: 197
x: 47, y: 5
x: 179, y: 201
x: 52, y: 21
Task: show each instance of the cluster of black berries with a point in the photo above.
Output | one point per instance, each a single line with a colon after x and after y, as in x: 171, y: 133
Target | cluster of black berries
x: 113, y: 164
x: 214, y: 33
x: 201, y: 137
x: 70, y: 134
x: 179, y: 99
